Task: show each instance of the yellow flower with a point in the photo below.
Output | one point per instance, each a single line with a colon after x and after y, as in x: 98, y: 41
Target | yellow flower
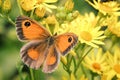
x: 51, y: 20
x: 72, y: 52
x: 6, y: 7
x: 69, y: 5
x: 83, y: 77
x: 40, y: 6
x: 64, y: 78
x: 110, y: 7
x: 96, y: 62
x: 114, y: 25
x: 114, y: 63
x: 43, y: 4
x: 28, y: 5
x: 87, y: 30
x: 40, y: 12
x: 72, y: 77
x: 103, y: 77
x: 64, y: 60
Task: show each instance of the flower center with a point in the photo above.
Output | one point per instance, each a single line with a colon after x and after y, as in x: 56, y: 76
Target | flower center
x: 96, y: 66
x: 86, y: 36
x: 117, y: 68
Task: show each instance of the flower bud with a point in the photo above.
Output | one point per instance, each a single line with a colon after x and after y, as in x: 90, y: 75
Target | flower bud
x: 28, y: 5
x: 69, y: 5
x: 6, y: 7
x: 51, y: 19
x: 72, y: 53
x: 64, y: 60
x: 40, y: 12
x: 72, y: 77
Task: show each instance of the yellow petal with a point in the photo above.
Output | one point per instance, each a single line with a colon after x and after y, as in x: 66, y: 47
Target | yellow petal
x: 72, y: 77
x: 50, y: 1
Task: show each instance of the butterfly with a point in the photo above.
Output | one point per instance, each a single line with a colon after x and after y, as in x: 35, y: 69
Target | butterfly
x: 43, y: 49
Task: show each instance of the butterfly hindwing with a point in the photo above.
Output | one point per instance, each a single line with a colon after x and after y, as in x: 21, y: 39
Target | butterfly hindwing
x: 52, y: 59
x: 33, y: 53
x: 28, y: 29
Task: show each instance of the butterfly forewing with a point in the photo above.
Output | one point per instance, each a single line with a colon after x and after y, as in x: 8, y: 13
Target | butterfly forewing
x: 28, y: 29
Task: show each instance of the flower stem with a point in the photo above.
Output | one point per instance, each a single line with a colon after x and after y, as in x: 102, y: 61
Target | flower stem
x: 8, y: 18
x: 31, y: 73
x: 31, y: 14
x: 80, y: 60
x: 20, y: 9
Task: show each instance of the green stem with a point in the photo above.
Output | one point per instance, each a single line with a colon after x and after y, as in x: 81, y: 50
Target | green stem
x: 31, y: 14
x: 31, y: 73
x: 20, y: 73
x: 80, y: 60
x: 19, y: 67
x: 68, y: 65
x: 70, y: 61
x: 74, y: 61
x: 8, y: 18
x: 20, y: 9
x: 65, y: 67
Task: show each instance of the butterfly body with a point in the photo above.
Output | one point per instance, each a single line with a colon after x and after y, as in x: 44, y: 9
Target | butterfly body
x: 42, y: 48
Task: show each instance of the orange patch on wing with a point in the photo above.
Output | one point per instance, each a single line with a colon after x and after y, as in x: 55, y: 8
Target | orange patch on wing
x: 33, y: 54
x: 33, y: 31
x: 63, y: 43
x: 51, y: 60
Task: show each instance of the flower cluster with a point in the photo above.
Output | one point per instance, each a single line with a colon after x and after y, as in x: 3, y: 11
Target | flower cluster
x: 86, y: 28
x: 40, y: 6
x: 104, y: 63
x: 97, y: 53
x: 5, y: 6
x: 90, y: 31
x: 109, y: 7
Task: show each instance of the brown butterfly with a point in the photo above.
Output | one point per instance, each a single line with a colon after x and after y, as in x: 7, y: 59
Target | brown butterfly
x: 42, y: 48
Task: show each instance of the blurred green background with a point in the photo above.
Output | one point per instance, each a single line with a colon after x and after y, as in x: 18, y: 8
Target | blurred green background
x: 10, y: 46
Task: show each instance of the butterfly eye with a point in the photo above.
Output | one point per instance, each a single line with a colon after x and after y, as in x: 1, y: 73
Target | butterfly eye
x: 27, y: 23
x: 69, y: 39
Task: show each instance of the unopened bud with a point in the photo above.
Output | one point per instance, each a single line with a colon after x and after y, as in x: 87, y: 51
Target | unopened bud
x: 6, y: 7
x: 40, y: 12
x: 64, y: 60
x: 51, y: 19
x: 72, y: 53
x: 69, y: 5
x: 72, y: 77
x: 28, y: 5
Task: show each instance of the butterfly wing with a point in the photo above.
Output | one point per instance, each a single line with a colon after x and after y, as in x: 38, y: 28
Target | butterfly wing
x: 33, y: 53
x: 65, y: 42
x: 28, y: 29
x: 52, y: 60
